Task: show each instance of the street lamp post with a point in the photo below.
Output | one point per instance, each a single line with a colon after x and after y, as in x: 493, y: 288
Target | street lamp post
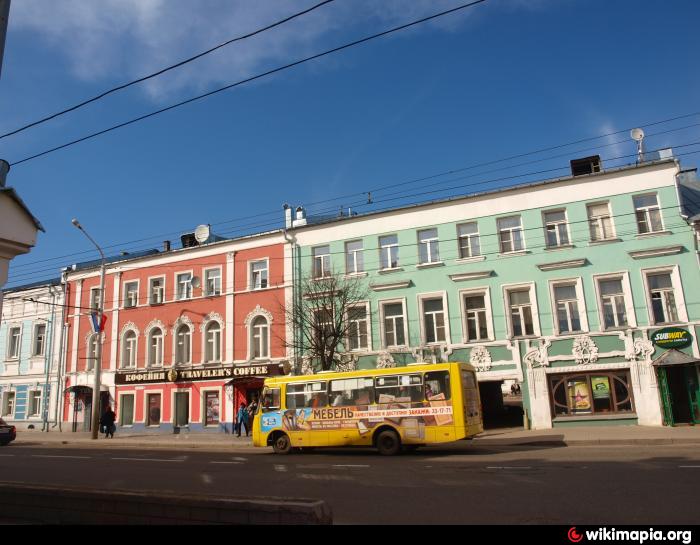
x: 98, y: 353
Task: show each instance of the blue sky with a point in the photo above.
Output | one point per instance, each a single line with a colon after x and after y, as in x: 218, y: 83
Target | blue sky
x: 499, y: 79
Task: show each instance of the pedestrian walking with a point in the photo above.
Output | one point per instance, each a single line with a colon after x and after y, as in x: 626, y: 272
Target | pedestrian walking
x: 107, y: 422
x: 242, y: 419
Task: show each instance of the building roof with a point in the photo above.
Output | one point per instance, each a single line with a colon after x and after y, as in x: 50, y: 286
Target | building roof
x: 32, y: 285
x: 10, y: 192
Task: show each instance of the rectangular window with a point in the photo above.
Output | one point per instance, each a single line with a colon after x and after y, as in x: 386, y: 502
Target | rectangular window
x: 399, y: 389
x: 468, y: 236
x: 648, y: 213
x: 521, y: 313
x: 131, y: 294
x: 358, y: 326
x: 323, y: 326
x: 428, y: 246
x: 555, y: 229
x: 157, y: 288
x: 475, y: 313
x: 211, y: 408
x: 153, y: 418
x: 8, y: 404
x: 322, y: 261
x: 389, y: 252
x: 600, y: 222
x: 184, y: 286
x: 95, y: 298
x: 510, y: 233
x: 39, y: 340
x: 663, y: 300
x: 352, y: 392
x: 613, y: 303
x: 433, y: 320
x: 591, y: 393
x: 354, y: 259
x: 212, y: 282
x: 13, y: 343
x: 126, y: 412
x: 258, y: 275
x: 394, y: 325
x: 308, y: 394
x: 566, y: 303
x: 34, y: 405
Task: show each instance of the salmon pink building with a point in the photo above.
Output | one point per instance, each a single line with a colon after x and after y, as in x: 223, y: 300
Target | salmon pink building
x: 191, y: 333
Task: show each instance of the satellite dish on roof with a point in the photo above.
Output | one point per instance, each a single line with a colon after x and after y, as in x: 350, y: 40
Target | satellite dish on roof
x: 201, y: 233
x: 637, y: 134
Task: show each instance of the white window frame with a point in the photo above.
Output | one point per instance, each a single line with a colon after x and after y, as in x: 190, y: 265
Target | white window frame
x: 382, y: 303
x: 205, y: 281
x: 470, y: 240
x: 205, y: 342
x: 354, y: 257
x: 251, y: 275
x: 175, y: 342
x: 93, y: 338
x: 149, y: 339
x: 511, y: 230
x: 40, y: 396
x: 252, y: 341
x: 577, y: 282
x: 126, y: 293
x: 506, y: 289
x: 626, y: 291
x: 203, y: 412
x: 422, y: 297
x: 590, y: 219
x: 146, y: 394
x: 368, y: 319
x: 10, y: 329
x: 35, y: 337
x: 173, y: 408
x: 322, y: 258
x: 546, y: 224
x: 92, y: 297
x: 5, y: 403
x: 124, y: 351
x: 131, y: 393
x: 463, y: 294
x: 177, y: 285
x: 647, y: 215
x: 428, y: 242
x: 150, y: 289
x: 387, y: 248
x: 677, y: 284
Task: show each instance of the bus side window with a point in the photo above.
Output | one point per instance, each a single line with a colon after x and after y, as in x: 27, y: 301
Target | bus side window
x: 437, y: 385
x: 271, y: 400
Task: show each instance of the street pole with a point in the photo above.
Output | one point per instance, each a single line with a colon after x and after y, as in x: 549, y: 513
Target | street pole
x: 4, y: 16
x: 98, y: 353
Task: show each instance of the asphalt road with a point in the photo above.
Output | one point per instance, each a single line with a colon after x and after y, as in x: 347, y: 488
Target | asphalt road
x: 460, y: 484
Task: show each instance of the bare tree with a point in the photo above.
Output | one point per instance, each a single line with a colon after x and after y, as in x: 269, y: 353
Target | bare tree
x: 321, y: 317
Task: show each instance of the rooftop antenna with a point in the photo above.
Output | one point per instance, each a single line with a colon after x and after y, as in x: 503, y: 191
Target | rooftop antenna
x: 638, y: 136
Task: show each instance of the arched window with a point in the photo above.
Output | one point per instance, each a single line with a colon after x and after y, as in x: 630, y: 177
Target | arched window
x: 92, y: 351
x: 213, y: 342
x: 260, y: 336
x: 155, y: 347
x: 129, y: 349
x: 183, y: 344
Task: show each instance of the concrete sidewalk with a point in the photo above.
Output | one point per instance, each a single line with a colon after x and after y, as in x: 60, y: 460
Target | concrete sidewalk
x: 592, y: 435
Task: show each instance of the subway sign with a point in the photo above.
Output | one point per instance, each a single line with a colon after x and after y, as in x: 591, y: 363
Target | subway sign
x: 672, y: 337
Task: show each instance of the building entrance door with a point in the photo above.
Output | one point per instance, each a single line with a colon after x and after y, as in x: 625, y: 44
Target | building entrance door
x: 182, y: 409
x: 680, y: 394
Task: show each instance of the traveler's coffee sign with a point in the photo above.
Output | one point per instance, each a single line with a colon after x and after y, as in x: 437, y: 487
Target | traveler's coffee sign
x: 672, y: 337
x: 189, y: 375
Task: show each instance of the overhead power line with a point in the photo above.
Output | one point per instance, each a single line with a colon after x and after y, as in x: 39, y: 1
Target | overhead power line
x: 248, y: 80
x: 163, y: 71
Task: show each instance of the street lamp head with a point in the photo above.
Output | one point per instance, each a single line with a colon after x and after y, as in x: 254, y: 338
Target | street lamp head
x: 75, y: 222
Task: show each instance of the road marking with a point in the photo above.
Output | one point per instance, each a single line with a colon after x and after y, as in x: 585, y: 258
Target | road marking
x: 147, y: 460
x: 239, y: 459
x: 508, y: 467
x: 56, y: 456
x: 216, y: 462
x: 281, y: 468
x: 206, y: 478
x: 6, y: 454
x: 325, y: 477
x: 690, y: 466
x: 350, y: 465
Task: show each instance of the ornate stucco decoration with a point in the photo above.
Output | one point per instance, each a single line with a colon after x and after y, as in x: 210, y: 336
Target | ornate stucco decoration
x: 153, y: 324
x: 130, y: 326
x: 537, y: 357
x: 307, y: 367
x: 90, y: 334
x: 385, y: 361
x: 480, y: 358
x: 429, y: 353
x: 257, y: 311
x: 346, y: 362
x: 584, y: 350
x: 211, y: 317
x: 184, y: 319
x: 643, y: 349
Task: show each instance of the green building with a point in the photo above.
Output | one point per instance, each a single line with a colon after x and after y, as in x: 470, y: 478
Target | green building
x: 556, y: 286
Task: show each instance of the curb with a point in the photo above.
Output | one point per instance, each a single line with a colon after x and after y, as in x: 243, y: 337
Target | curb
x: 584, y: 442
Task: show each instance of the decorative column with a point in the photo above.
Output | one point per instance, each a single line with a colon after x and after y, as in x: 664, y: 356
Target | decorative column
x: 76, y: 327
x: 115, y: 321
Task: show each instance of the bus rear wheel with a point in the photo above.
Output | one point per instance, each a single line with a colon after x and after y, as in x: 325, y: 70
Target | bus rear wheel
x: 282, y: 444
x: 388, y: 443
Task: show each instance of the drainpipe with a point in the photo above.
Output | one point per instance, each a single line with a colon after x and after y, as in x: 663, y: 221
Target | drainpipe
x: 291, y: 239
x: 48, y: 360
x: 62, y: 353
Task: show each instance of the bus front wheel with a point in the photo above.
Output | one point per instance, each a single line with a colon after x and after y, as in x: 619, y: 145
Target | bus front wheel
x: 282, y: 444
x: 388, y: 443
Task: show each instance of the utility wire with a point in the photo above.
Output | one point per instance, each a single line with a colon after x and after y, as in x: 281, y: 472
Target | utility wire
x: 164, y: 70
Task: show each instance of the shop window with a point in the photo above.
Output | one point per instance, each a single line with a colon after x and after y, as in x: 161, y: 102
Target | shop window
x: 591, y: 394
x: 153, y: 410
x: 126, y: 412
x: 211, y: 408
x: 34, y: 404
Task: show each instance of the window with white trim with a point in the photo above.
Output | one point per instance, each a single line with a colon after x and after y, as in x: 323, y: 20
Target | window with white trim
x: 510, y: 234
x: 157, y: 289
x: 13, y: 343
x: 648, y: 213
x: 555, y: 228
x: 475, y: 314
x: 394, y: 321
x: 8, y: 404
x: 612, y: 301
x: 566, y: 307
x: 212, y: 282
x: 129, y: 349
x: 428, y: 246
x: 260, y: 332
x: 213, y: 342
x: 95, y: 298
x: 358, y: 328
x: 34, y: 403
x: 663, y: 299
x: 321, y: 261
x: 354, y: 257
x: 39, y: 340
x: 184, y: 286
x: 433, y: 320
x: 389, y: 252
x: 183, y: 344
x: 520, y: 308
x: 600, y: 221
x: 126, y: 411
x: 468, y: 238
x: 155, y: 347
x: 92, y: 352
x: 131, y: 294
x: 258, y: 275
x: 323, y: 326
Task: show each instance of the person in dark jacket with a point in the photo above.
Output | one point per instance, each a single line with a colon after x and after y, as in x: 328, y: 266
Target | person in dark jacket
x: 107, y: 422
x: 242, y: 419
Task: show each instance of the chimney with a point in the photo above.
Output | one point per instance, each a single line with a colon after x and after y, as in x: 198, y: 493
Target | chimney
x: 301, y: 217
x: 287, y: 216
x: 166, y: 245
x: 586, y: 165
x: 4, y: 169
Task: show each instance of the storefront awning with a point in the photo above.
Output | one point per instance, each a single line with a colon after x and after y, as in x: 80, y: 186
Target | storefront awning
x: 674, y: 357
